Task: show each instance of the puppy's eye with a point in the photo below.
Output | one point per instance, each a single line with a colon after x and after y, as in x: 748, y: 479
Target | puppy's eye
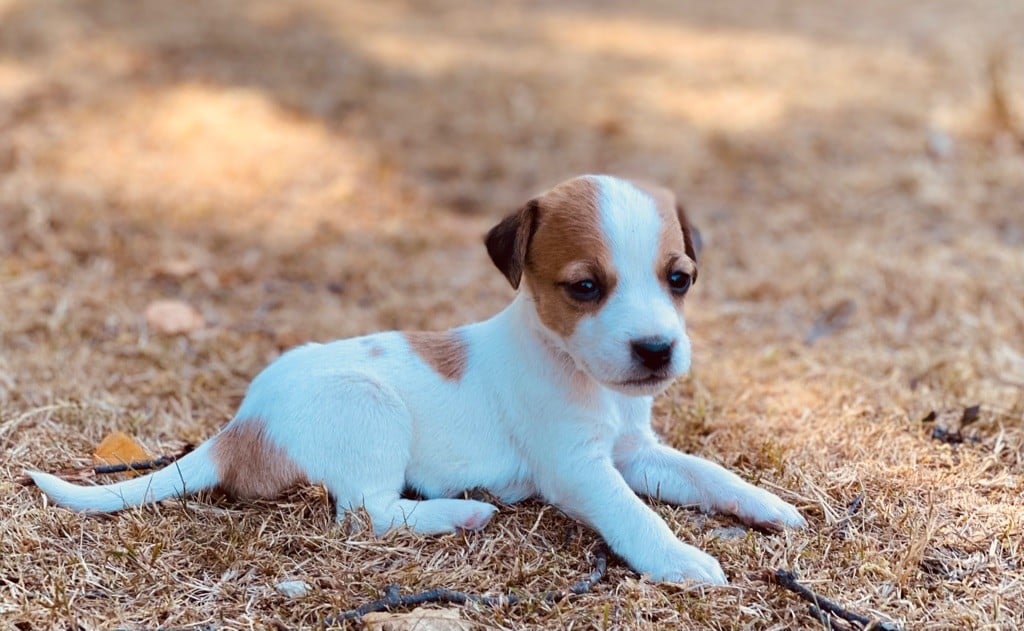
x: 584, y: 290
x: 679, y: 282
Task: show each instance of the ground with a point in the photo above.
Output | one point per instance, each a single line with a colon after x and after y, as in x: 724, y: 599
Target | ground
x: 314, y: 170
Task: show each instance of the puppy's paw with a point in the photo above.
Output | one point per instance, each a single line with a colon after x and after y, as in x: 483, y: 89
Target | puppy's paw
x: 760, y: 508
x: 686, y: 564
x: 475, y: 515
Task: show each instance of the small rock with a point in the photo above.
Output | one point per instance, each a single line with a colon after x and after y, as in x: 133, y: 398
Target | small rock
x: 729, y: 532
x: 172, y: 317
x: 940, y: 145
x: 293, y: 589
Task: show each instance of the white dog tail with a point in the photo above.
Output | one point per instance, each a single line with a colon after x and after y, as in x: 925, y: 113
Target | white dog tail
x: 192, y: 472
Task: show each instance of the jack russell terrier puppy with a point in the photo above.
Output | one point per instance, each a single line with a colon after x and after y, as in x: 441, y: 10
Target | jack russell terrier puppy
x: 550, y: 397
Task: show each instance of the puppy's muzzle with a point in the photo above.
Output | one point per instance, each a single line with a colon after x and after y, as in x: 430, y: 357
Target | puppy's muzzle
x: 654, y: 353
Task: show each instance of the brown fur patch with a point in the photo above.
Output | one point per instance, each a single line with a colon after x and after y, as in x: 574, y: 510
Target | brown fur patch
x: 568, y: 246
x: 445, y: 351
x: 251, y: 466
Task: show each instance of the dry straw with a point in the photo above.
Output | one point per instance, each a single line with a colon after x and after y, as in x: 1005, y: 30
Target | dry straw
x: 313, y: 170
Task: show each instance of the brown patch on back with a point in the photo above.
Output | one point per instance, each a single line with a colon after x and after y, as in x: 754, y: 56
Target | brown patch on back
x: 445, y: 351
x: 249, y: 464
x: 568, y: 245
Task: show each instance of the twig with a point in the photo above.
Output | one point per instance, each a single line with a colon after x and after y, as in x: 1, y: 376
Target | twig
x: 142, y: 465
x: 823, y: 605
x: 393, y: 599
x: 854, y: 506
x: 104, y: 469
x: 843, y: 525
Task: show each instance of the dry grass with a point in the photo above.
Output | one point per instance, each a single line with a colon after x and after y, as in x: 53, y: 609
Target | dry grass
x: 324, y: 169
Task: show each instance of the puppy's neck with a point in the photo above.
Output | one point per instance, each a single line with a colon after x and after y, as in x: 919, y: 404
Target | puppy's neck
x: 541, y: 348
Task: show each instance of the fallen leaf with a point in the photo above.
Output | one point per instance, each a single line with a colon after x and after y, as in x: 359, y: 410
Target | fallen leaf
x: 176, y: 268
x: 419, y: 619
x: 172, y: 317
x: 120, y: 448
x: 971, y: 414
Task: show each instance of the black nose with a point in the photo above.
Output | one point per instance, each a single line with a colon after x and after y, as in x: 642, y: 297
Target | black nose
x: 652, y: 352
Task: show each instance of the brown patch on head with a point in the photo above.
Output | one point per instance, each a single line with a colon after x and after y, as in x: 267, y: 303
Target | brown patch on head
x: 676, y: 240
x: 249, y: 464
x: 568, y: 246
x: 445, y: 352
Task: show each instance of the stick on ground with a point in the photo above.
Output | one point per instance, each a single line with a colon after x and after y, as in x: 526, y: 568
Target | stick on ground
x: 823, y: 605
x: 105, y: 469
x: 142, y: 465
x: 394, y: 600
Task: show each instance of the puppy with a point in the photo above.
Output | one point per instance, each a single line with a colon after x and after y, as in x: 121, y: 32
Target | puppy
x: 550, y: 397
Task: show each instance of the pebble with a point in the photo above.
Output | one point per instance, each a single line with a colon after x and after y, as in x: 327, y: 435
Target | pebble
x: 293, y: 589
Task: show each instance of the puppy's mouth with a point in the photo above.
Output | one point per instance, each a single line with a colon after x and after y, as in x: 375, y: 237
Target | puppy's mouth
x: 654, y: 379
x: 641, y: 384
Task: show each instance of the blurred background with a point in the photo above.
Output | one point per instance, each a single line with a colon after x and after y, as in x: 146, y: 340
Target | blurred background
x: 293, y: 171
x: 339, y: 161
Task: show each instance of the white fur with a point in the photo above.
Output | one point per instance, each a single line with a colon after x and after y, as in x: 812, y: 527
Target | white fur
x: 531, y: 414
x: 639, y: 307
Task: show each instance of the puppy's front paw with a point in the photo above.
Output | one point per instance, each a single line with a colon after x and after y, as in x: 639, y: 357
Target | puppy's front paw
x: 763, y: 509
x: 687, y: 564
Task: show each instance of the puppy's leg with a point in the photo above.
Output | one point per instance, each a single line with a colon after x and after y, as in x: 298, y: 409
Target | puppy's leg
x: 428, y: 517
x: 660, y: 472
x: 595, y: 492
x: 363, y: 455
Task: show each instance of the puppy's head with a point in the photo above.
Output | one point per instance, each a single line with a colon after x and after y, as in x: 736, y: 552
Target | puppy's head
x: 606, y: 263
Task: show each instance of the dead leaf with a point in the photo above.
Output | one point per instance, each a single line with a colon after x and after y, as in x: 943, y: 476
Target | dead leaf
x: 419, y: 619
x: 120, y: 448
x: 176, y: 268
x: 172, y: 317
x: 971, y: 414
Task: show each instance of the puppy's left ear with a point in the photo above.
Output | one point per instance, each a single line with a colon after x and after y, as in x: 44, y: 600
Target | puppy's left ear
x: 691, y: 236
x: 508, y: 242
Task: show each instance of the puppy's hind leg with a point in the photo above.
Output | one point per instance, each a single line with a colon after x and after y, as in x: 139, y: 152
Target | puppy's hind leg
x: 363, y: 463
x: 428, y: 517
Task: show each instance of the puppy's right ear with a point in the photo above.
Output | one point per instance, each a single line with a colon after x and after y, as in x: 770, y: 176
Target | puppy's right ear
x: 692, y: 240
x: 508, y: 242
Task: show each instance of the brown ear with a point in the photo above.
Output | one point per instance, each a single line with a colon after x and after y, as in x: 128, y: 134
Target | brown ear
x: 508, y: 242
x: 691, y: 236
